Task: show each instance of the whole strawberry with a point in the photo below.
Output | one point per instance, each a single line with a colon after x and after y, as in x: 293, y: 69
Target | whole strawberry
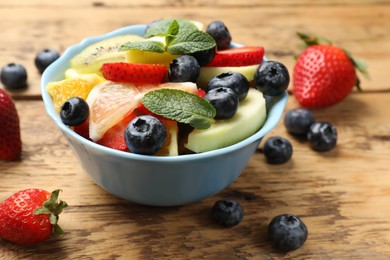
x: 30, y: 216
x: 10, y: 141
x: 324, y: 74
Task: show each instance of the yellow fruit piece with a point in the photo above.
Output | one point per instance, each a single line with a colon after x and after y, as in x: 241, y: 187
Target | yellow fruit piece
x: 60, y: 91
x: 93, y: 78
x: 170, y: 147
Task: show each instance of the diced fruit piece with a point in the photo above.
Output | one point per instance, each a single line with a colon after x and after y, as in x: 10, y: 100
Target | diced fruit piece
x: 44, y: 58
x: 74, y: 111
x: 240, y: 56
x: 110, y: 101
x: 207, y: 73
x: 234, y: 80
x: 220, y: 33
x: 135, y: 73
x: 224, y: 100
x: 298, y: 121
x: 60, y: 91
x: 227, y: 212
x: 115, y: 136
x: 149, y: 57
x: 248, y: 119
x: 83, y: 129
x: 322, y: 136
x: 272, y: 78
x: 92, y: 57
x: 171, y: 146
x: 94, y: 78
x: 184, y: 68
x: 145, y: 135
x: 14, y: 76
x: 277, y: 150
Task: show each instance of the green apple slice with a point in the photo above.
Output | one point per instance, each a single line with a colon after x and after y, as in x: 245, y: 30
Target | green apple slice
x: 250, y: 117
x: 207, y: 73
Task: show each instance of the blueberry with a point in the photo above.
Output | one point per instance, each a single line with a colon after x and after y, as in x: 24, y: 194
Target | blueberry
x: 322, y: 136
x: 272, y: 78
x: 14, y: 76
x: 74, y: 111
x: 184, y: 69
x: 298, y: 121
x: 44, y: 58
x: 277, y: 150
x: 204, y: 57
x: 145, y: 135
x: 287, y: 232
x: 220, y: 33
x: 224, y: 100
x: 234, y: 80
x: 227, y: 212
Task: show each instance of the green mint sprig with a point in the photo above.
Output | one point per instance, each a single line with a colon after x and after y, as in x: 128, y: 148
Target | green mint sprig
x: 181, y: 106
x: 181, y: 37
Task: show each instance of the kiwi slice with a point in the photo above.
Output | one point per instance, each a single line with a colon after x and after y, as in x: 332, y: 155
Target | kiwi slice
x: 92, y: 57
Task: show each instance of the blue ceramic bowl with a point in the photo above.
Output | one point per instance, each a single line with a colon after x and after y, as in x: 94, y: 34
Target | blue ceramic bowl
x: 152, y: 180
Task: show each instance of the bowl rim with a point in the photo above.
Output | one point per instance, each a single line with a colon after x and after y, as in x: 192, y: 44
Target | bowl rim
x: 273, y: 115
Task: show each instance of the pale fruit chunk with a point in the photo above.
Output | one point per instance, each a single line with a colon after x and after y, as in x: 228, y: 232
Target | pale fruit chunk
x: 250, y: 116
x: 170, y: 148
x: 92, y: 57
x: 207, y: 73
x: 91, y: 77
x: 148, y: 57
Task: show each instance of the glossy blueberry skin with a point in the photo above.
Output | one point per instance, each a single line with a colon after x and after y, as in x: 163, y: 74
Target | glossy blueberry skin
x: 298, y: 121
x: 74, y: 111
x: 184, y: 68
x: 227, y: 212
x: 14, y: 76
x: 322, y: 136
x: 234, y: 80
x: 44, y: 58
x: 220, y: 33
x: 277, y: 150
x: 272, y: 78
x: 224, y: 100
x: 287, y: 232
x: 145, y: 135
x: 205, y: 57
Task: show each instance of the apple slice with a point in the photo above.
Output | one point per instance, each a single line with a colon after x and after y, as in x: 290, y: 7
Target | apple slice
x: 250, y: 116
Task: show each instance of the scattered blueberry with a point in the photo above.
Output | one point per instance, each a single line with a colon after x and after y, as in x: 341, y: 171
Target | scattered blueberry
x: 287, y: 232
x: 271, y: 78
x: 14, y: 76
x: 224, y: 100
x: 298, y: 121
x: 227, y: 212
x: 220, y: 33
x: 322, y: 136
x: 74, y: 111
x: 277, y: 150
x: 234, y: 80
x: 204, y: 57
x: 184, y: 68
x: 44, y: 58
x: 145, y: 135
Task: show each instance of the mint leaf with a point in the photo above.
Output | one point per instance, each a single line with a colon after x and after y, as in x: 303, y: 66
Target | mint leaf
x: 161, y: 27
x: 181, y: 106
x: 188, y: 42
x: 153, y: 46
x: 172, y: 32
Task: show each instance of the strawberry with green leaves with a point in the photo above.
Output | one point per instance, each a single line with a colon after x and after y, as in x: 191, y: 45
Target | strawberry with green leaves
x: 30, y: 216
x: 324, y: 74
x: 10, y: 141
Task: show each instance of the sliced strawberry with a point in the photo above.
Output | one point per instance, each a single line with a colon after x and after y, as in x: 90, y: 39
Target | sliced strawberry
x: 136, y: 73
x: 83, y: 129
x: 115, y: 136
x: 237, y: 57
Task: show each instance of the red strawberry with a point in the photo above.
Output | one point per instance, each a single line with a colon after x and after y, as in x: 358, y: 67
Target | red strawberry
x: 115, y: 136
x: 324, y: 74
x: 10, y: 141
x: 30, y: 216
x: 236, y: 57
x: 83, y: 129
x: 135, y: 73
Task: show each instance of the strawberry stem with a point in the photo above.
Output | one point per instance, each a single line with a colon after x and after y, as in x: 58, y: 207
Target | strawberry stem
x: 53, y: 208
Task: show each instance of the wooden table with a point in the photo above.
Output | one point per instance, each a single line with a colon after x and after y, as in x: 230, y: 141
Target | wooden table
x: 343, y: 196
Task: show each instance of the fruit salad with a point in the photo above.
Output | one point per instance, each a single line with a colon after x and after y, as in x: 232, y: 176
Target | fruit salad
x: 179, y: 89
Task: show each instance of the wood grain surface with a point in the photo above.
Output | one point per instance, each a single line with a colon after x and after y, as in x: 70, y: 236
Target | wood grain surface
x: 343, y: 196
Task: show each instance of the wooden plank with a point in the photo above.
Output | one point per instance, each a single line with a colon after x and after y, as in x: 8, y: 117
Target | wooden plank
x: 28, y: 29
x: 342, y: 196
